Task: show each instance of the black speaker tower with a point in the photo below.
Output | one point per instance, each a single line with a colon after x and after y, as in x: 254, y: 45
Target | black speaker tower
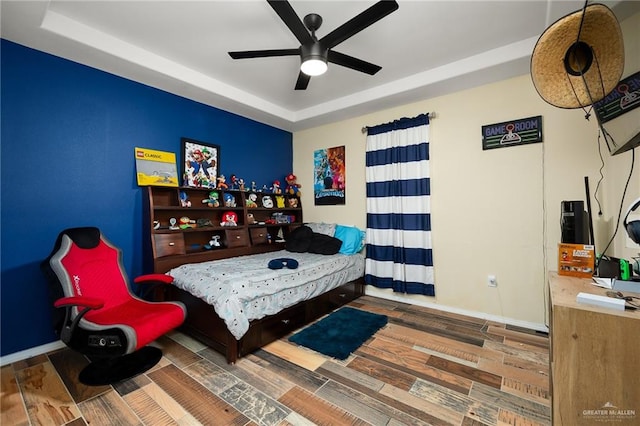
x: 574, y: 223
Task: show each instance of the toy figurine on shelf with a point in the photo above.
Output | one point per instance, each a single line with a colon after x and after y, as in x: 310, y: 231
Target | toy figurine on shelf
x: 212, y: 201
x: 253, y: 186
x: 280, y: 201
x: 222, y: 182
x: 229, y: 200
x: 276, y: 187
x: 293, y: 202
x: 241, y: 185
x: 252, y: 201
x: 214, y: 242
x: 233, y: 182
x: 229, y: 219
x: 184, y: 199
x: 267, y: 202
x: 185, y: 223
x: 292, y: 185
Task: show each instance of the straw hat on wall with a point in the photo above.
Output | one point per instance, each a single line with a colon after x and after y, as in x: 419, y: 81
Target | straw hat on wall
x: 579, y: 59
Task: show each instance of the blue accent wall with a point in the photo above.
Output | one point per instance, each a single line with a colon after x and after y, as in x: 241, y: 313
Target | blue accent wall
x: 68, y: 137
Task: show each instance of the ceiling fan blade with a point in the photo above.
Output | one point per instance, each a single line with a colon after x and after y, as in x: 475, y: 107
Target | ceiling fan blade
x: 264, y: 53
x: 303, y: 81
x: 353, y: 63
x: 291, y: 20
x: 359, y: 23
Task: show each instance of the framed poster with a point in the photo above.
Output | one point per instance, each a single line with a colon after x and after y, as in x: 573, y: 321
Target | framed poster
x: 329, y: 176
x: 200, y: 163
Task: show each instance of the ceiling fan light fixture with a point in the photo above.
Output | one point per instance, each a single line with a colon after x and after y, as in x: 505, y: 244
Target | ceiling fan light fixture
x: 314, y: 59
x: 314, y: 66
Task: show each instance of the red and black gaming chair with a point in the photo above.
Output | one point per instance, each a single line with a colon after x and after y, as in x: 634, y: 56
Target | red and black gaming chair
x: 103, y: 319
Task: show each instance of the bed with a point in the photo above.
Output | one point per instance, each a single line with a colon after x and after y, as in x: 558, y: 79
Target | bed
x: 237, y: 305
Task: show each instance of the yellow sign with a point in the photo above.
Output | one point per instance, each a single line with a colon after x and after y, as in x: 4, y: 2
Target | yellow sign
x: 156, y: 168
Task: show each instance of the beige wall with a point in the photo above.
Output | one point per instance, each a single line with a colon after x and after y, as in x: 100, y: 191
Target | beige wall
x: 493, y: 212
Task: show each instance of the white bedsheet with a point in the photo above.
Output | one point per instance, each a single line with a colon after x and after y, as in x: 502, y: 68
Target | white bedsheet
x: 243, y: 288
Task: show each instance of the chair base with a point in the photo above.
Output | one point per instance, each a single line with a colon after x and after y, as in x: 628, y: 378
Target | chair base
x: 108, y: 371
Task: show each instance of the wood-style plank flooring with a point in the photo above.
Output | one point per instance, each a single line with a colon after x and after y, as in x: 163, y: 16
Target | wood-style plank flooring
x: 424, y: 367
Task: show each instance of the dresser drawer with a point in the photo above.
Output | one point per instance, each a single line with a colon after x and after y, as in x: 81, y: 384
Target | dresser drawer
x: 168, y: 244
x: 342, y: 295
x: 274, y: 327
x: 236, y: 238
x: 258, y: 236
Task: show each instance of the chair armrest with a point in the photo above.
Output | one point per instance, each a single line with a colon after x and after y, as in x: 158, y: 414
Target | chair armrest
x: 85, y: 302
x: 154, y: 278
x: 69, y: 325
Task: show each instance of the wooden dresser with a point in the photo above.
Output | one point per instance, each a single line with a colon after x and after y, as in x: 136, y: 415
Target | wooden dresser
x: 595, y: 358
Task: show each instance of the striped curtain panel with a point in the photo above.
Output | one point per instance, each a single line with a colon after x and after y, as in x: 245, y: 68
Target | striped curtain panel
x: 399, y: 254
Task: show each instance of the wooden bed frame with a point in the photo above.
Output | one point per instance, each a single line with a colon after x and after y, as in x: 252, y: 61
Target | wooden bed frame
x: 204, y: 324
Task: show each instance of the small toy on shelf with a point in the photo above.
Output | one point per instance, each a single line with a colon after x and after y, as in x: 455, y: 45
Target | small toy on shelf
x: 241, y: 184
x: 233, y: 182
x: 293, y: 202
x: 173, y: 224
x: 293, y: 188
x: 280, y: 201
x: 267, y: 202
x: 185, y: 223
x: 184, y: 199
x: 212, y: 201
x: 229, y: 200
x: 222, y: 182
x: 229, y: 219
x: 253, y: 185
x: 214, y: 242
x: 251, y: 200
x: 276, y: 187
x: 203, y: 222
x: 250, y: 219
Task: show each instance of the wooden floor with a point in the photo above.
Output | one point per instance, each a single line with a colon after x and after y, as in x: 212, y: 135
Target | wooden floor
x: 423, y: 367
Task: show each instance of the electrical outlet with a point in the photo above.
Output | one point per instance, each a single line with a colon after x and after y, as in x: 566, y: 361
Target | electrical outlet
x: 492, y: 281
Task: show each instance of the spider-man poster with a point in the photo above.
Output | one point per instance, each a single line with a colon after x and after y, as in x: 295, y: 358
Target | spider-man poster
x: 329, y: 176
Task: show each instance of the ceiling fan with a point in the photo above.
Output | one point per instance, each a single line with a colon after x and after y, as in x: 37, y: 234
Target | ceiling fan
x: 314, y: 54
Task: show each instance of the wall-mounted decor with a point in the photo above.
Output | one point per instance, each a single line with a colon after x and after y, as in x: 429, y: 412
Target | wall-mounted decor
x: 622, y: 99
x: 330, y: 176
x: 157, y: 168
x: 509, y: 133
x: 200, y: 163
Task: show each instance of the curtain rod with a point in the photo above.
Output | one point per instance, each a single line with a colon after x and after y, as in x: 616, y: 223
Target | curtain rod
x: 431, y: 115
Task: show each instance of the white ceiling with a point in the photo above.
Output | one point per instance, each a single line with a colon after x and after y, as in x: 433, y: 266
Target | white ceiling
x: 425, y: 48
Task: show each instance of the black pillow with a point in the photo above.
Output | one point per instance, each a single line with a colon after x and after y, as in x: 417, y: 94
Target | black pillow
x: 299, y: 240
x: 324, y: 244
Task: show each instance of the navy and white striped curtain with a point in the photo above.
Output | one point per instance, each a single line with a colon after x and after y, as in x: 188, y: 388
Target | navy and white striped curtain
x: 399, y: 254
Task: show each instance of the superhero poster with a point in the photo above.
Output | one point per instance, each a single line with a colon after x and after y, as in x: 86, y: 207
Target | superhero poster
x: 200, y: 163
x: 329, y: 176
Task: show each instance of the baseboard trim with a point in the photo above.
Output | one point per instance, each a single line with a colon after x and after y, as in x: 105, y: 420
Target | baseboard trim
x: 390, y: 295
x: 28, y: 353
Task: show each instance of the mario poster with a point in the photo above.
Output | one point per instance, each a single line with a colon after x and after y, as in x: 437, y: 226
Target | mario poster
x: 201, y: 162
x: 329, y: 176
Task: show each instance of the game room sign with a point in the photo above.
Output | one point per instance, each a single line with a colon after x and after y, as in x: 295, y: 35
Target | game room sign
x: 622, y: 99
x: 509, y: 133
